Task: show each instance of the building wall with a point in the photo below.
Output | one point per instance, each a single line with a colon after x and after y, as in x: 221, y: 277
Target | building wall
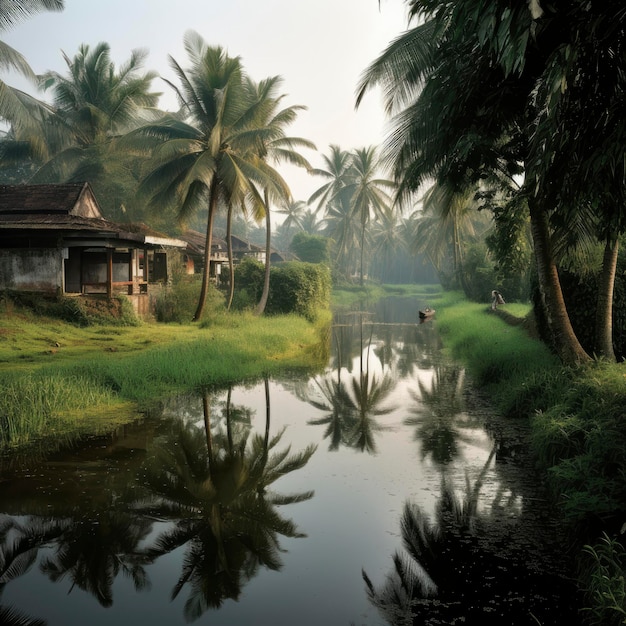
x: 32, y: 270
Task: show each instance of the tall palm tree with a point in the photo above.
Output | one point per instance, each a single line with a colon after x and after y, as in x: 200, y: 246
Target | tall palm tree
x: 367, y: 192
x: 95, y: 103
x: 275, y: 147
x: 339, y: 227
x: 206, y: 157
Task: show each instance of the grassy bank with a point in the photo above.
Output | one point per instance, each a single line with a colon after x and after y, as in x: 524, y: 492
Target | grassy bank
x: 347, y: 295
x: 578, y: 421
x: 58, y: 379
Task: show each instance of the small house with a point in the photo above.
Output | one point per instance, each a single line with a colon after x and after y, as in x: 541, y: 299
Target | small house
x: 54, y: 240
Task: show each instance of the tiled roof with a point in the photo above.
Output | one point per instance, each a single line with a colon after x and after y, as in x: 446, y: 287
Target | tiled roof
x: 42, y: 199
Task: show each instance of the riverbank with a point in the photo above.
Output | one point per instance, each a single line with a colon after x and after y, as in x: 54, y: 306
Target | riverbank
x: 578, y: 434
x: 58, y: 380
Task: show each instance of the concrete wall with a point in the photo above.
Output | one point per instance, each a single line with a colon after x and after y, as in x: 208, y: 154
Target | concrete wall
x: 32, y: 270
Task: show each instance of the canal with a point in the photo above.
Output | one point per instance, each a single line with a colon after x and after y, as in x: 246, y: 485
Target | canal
x: 382, y: 490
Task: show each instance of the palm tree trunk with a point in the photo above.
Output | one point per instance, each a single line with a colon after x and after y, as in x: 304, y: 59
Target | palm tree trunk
x: 207, y: 252
x: 268, y: 242
x: 604, y: 307
x: 206, y: 406
x: 566, y: 343
x: 362, y: 250
x: 231, y: 263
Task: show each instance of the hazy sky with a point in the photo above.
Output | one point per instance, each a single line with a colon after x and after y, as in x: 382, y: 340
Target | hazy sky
x: 319, y: 47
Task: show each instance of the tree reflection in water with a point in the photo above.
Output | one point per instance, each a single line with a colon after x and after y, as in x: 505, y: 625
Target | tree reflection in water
x: 215, y: 488
x: 352, y: 404
x: 439, y: 416
x: 469, y: 567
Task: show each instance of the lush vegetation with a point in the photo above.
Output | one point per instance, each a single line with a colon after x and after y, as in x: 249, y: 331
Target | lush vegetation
x: 578, y: 433
x: 57, y: 378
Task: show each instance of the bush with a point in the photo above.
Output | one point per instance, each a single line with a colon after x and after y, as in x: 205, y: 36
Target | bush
x: 177, y: 302
x: 302, y: 288
x: 80, y: 311
x: 310, y: 248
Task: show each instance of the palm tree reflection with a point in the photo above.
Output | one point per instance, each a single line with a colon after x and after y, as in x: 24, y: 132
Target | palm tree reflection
x: 439, y: 416
x: 214, y: 488
x: 353, y: 404
x: 471, y: 566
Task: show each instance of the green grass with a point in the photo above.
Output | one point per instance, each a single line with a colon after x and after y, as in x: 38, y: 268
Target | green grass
x: 54, y: 377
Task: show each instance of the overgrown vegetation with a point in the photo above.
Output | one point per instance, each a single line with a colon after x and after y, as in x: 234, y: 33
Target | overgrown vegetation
x: 578, y: 431
x: 54, y: 375
x: 295, y: 287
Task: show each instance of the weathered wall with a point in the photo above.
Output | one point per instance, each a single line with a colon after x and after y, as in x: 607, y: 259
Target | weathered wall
x: 31, y: 270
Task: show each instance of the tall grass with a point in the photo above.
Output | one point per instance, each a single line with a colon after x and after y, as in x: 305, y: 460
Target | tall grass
x: 100, y: 371
x: 35, y: 405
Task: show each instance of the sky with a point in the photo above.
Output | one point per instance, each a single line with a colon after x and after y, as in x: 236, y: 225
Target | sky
x: 319, y: 47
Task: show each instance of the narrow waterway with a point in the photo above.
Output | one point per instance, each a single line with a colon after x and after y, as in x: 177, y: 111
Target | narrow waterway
x: 382, y: 490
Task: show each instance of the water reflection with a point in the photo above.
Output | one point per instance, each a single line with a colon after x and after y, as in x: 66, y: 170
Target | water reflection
x: 214, y: 486
x: 205, y: 487
x: 180, y: 517
x: 353, y: 403
x: 454, y: 570
x: 439, y: 417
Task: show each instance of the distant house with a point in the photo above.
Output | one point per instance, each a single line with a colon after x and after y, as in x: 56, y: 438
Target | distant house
x: 194, y: 254
x: 54, y: 240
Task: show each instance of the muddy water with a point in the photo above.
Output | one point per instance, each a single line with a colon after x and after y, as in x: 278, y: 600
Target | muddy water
x: 382, y: 490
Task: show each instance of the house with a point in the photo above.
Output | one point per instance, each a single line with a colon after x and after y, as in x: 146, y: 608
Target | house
x: 54, y: 240
x: 194, y: 254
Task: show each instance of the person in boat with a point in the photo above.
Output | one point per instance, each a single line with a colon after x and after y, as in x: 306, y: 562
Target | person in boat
x: 496, y: 299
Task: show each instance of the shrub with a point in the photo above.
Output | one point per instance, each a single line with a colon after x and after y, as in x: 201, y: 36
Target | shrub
x: 310, y: 248
x: 178, y: 300
x: 302, y: 288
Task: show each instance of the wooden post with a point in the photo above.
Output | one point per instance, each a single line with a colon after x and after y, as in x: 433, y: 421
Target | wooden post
x: 109, y: 273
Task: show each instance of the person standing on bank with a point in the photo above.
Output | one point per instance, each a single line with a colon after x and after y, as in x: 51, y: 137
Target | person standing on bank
x: 496, y: 299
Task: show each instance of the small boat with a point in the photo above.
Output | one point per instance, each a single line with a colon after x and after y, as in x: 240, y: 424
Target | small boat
x: 426, y: 313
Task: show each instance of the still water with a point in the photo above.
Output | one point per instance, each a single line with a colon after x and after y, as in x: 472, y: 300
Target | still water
x: 379, y: 491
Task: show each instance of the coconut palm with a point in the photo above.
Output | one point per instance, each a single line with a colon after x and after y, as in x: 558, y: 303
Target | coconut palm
x: 336, y: 172
x: 26, y: 115
x: 367, y: 192
x: 207, y: 157
x: 339, y: 227
x: 294, y: 213
x: 95, y: 103
x: 275, y: 147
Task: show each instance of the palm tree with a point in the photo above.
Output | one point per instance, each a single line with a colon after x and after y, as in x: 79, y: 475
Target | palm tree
x: 336, y: 172
x: 339, y: 227
x: 461, y: 103
x: 207, y: 157
x: 367, y: 193
x: 13, y: 12
x: 26, y: 115
x: 447, y: 220
x: 294, y: 213
x: 94, y: 104
x: 275, y: 147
